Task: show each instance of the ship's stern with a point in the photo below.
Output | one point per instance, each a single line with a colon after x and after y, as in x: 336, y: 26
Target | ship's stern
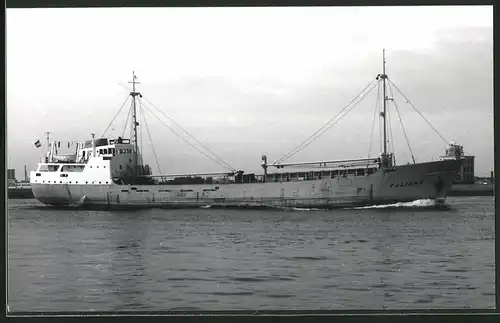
x: 49, y: 193
x: 52, y: 194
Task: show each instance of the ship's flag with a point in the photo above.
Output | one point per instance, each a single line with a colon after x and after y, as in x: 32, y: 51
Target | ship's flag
x: 38, y: 144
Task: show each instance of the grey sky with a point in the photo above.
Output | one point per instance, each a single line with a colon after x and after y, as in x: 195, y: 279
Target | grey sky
x: 247, y: 81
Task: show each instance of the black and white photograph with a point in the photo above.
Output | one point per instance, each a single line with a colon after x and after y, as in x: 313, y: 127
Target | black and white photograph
x: 250, y: 158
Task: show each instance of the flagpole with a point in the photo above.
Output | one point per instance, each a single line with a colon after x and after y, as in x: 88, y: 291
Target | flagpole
x: 48, y: 140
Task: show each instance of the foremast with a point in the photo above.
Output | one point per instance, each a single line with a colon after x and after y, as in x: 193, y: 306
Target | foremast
x: 384, y: 77
x: 386, y: 159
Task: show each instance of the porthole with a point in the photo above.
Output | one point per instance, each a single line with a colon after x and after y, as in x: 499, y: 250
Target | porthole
x: 104, y: 166
x: 70, y: 182
x: 99, y: 182
x: 76, y: 182
x: 97, y: 166
x: 86, y: 182
x: 90, y: 166
x: 59, y: 182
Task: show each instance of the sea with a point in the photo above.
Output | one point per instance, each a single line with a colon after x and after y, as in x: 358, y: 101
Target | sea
x: 401, y: 256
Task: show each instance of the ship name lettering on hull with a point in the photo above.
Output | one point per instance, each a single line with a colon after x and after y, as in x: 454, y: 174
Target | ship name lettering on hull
x: 408, y: 183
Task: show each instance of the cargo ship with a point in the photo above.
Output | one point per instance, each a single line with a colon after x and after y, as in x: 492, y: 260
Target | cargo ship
x: 18, y: 189
x: 109, y: 173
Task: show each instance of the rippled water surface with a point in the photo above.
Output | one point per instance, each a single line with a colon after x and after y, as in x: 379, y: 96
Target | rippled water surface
x: 213, y: 259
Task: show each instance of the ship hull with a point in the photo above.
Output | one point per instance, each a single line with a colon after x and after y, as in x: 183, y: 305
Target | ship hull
x: 20, y: 193
x: 404, y: 183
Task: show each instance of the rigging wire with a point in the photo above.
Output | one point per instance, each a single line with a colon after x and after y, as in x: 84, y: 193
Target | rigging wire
x: 305, y: 143
x: 143, y: 119
x: 349, y: 110
x: 123, y: 104
x: 126, y: 121
x: 132, y: 122
x: 325, y: 130
x: 402, y: 126
x: 221, y: 161
x: 391, y: 137
x: 408, y: 101
x: 327, y: 125
x: 374, y: 118
x: 185, y: 140
x: 150, y: 139
x: 380, y: 137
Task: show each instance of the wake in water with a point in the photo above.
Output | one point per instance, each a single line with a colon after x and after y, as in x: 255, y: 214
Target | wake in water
x: 419, y: 204
x: 258, y: 207
x: 302, y: 209
x: 80, y: 202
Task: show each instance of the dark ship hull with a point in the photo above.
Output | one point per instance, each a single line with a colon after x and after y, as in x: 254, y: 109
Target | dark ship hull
x: 20, y: 193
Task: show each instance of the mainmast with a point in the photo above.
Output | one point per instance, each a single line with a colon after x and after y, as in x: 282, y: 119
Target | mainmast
x: 134, y: 120
x: 384, y: 77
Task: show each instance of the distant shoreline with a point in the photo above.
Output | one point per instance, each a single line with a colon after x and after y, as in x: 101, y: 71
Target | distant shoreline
x: 472, y: 190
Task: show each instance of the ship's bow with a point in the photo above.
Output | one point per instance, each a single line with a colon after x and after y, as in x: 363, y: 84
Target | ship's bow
x: 431, y: 180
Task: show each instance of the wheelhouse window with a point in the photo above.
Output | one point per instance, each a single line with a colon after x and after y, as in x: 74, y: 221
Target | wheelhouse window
x: 49, y: 168
x: 73, y: 168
